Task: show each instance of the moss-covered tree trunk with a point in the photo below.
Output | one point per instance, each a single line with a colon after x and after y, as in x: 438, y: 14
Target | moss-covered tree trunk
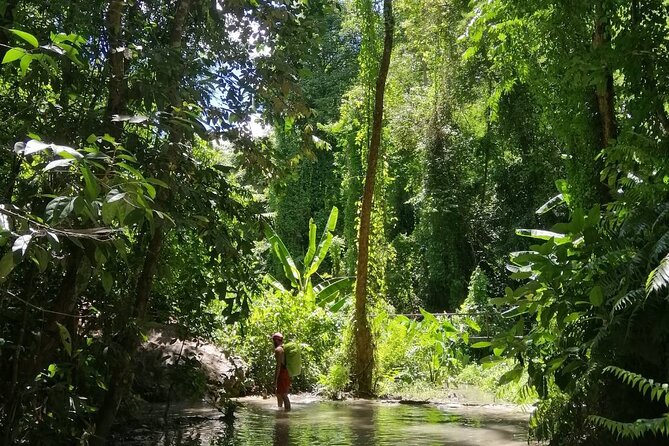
x: 364, y: 350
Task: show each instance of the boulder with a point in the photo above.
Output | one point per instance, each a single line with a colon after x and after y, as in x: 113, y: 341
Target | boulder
x: 169, y: 367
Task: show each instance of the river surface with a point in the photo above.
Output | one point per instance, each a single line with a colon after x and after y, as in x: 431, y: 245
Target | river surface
x: 315, y: 422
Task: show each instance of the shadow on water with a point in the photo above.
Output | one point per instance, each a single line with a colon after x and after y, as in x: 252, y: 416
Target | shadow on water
x: 352, y: 423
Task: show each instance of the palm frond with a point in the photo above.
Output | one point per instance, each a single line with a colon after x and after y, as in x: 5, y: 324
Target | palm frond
x: 659, y: 277
x: 635, y: 430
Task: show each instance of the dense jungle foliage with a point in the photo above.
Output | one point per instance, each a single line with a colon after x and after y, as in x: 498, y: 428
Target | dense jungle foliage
x: 201, y: 164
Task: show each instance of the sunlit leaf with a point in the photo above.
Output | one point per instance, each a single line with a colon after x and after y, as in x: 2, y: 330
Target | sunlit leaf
x: 58, y: 163
x: 33, y: 146
x: 32, y: 40
x: 13, y: 54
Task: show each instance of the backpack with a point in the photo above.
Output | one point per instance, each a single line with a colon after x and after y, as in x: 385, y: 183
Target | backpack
x: 293, y: 358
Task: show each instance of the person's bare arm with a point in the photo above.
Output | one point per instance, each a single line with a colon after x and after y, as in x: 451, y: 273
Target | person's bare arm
x: 278, y: 355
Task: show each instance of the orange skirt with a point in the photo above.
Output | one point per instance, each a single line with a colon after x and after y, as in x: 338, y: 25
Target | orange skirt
x: 283, y: 383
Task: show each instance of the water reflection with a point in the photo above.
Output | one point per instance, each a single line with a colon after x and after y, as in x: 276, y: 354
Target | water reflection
x: 353, y: 423
x: 281, y: 429
x: 363, y: 424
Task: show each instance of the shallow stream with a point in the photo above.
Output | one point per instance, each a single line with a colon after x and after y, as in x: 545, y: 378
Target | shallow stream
x: 358, y: 422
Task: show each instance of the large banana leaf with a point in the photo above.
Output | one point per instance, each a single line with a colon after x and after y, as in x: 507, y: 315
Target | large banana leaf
x: 544, y: 235
x: 289, y: 268
x: 324, y: 245
x: 312, y: 243
x: 328, y: 291
x: 275, y: 283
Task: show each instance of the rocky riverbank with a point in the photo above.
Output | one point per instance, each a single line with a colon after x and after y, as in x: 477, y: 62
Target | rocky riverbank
x: 174, y: 368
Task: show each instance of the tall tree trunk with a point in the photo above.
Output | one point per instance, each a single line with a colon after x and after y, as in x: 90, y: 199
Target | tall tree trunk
x: 11, y: 398
x: 605, y: 98
x: 364, y: 350
x: 121, y: 379
x: 116, y: 102
x: 65, y: 303
x: 604, y: 90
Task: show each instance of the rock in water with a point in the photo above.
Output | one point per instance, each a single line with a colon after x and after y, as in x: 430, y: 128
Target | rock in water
x: 185, y: 369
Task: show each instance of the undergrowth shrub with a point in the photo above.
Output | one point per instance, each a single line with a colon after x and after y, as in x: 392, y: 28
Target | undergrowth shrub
x: 318, y: 330
x: 487, y: 379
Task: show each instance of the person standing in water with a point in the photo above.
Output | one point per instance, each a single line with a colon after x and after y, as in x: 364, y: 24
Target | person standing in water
x: 281, y: 376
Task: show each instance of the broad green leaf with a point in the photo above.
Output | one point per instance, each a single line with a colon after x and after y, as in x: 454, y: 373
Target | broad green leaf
x: 13, y: 54
x: 136, y: 173
x: 481, y: 344
x: 52, y: 369
x: 289, y: 268
x: 339, y: 304
x: 66, y: 152
x: 92, y: 188
x: 157, y: 182
x: 32, y: 40
x: 309, y: 294
x: 108, y: 212
x: 472, y: 324
x: 114, y: 195
x: 326, y: 241
x: 469, y: 53
x: 428, y: 317
x: 332, y: 219
x: 448, y: 327
x: 58, y: 163
x: 6, y: 265
x: 53, y: 238
x: 512, y: 375
x: 596, y: 296
x: 572, y: 317
x: 275, y: 283
x: 127, y: 157
x: 312, y: 243
x: 41, y: 257
x: 26, y: 60
x: 107, y: 281
x: 33, y: 146
x: 563, y: 186
x: 60, y: 208
x: 65, y: 338
x: 328, y: 291
x: 550, y: 204
x: 151, y: 191
x: 20, y: 247
x: 544, y: 235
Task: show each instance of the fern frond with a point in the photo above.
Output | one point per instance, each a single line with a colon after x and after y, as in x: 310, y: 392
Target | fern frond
x: 663, y: 210
x: 661, y: 247
x: 637, y: 429
x: 659, y: 277
x: 627, y: 299
x: 658, y: 391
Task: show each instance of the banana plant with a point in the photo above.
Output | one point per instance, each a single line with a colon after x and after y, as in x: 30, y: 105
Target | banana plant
x: 332, y: 293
